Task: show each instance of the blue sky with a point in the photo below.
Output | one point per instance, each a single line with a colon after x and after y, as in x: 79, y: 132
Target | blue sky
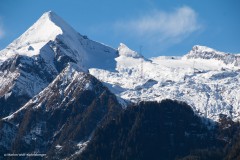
x: 161, y: 27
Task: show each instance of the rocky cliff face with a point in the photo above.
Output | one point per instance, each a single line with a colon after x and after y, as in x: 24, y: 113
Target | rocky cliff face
x: 60, y: 117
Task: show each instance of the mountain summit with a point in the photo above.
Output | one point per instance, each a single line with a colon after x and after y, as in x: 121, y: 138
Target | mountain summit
x: 53, y: 35
x: 127, y: 52
x: 204, y: 52
x: 33, y: 60
x: 46, y: 29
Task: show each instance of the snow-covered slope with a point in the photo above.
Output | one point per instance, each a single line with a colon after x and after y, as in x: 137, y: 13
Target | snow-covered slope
x: 34, y: 59
x: 209, y: 85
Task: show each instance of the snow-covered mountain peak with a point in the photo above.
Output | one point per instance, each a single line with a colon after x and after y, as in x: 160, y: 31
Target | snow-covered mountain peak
x: 33, y: 60
x: 50, y: 15
x: 47, y: 28
x: 198, y: 50
x: 58, y: 21
x: 127, y: 52
x: 54, y: 40
x: 203, y: 52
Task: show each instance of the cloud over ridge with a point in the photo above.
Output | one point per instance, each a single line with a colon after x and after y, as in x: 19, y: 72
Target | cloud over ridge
x: 163, y: 26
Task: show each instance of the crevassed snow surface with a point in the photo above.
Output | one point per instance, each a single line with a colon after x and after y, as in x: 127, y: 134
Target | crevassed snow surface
x: 210, y: 86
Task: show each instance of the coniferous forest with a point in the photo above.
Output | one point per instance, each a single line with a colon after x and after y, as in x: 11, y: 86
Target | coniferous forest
x: 166, y: 130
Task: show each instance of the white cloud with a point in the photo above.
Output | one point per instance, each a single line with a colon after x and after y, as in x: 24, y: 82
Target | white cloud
x: 160, y: 26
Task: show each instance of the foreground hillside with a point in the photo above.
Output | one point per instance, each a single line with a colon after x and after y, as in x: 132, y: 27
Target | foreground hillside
x: 88, y: 130
x: 167, y: 130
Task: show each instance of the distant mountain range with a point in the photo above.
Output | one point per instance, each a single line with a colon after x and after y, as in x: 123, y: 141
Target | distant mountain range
x: 67, y: 96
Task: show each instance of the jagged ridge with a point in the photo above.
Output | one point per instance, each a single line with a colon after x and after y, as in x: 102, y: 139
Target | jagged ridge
x: 209, y: 53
